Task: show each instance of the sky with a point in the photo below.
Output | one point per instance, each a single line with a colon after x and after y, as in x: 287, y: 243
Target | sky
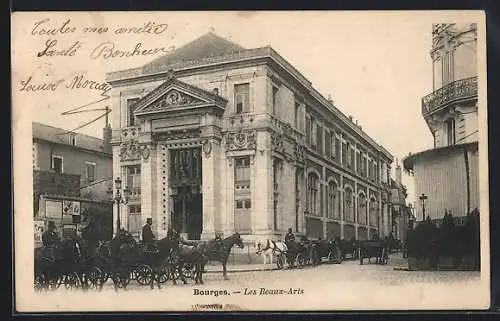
x: 376, y: 67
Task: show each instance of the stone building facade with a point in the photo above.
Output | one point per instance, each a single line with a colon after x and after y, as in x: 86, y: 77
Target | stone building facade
x: 447, y: 175
x: 213, y: 137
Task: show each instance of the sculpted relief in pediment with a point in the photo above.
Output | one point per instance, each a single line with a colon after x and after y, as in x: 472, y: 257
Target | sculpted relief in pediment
x: 173, y: 98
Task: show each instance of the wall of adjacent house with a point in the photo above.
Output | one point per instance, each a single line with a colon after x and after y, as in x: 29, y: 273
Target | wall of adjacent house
x: 443, y: 179
x: 74, y: 161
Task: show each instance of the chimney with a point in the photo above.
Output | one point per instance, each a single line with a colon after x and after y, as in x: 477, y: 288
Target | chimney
x: 106, y: 135
x: 215, y: 91
x: 330, y: 100
x: 350, y: 117
x: 398, y: 173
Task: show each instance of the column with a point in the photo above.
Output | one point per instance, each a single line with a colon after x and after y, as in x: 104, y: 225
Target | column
x: 164, y: 203
x: 324, y: 207
x: 355, y: 209
x: 117, y: 172
x: 262, y: 189
x: 148, y: 189
x: 341, y: 206
x: 210, y: 184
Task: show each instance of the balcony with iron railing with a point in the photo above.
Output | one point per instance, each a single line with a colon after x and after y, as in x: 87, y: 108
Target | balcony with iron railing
x: 457, y: 91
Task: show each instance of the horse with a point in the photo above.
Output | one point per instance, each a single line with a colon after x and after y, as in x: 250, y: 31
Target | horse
x: 219, y: 250
x: 265, y: 250
x: 61, y: 260
x: 196, y: 257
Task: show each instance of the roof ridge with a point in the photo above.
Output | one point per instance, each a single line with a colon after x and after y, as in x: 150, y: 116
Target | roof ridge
x: 67, y: 131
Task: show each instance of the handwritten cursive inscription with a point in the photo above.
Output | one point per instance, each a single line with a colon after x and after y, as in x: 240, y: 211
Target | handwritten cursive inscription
x: 51, y: 50
x: 74, y: 83
x: 29, y: 85
x: 107, y: 50
x: 42, y: 28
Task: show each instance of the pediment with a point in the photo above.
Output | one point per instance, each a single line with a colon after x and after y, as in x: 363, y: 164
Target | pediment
x: 174, y: 94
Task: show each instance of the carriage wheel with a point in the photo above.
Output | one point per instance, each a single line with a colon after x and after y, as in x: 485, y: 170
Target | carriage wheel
x: 187, y: 271
x: 133, y: 274
x: 96, y: 278
x: 164, y: 274
x: 72, y: 281
x: 280, y: 261
x: 301, y: 260
x: 53, y: 284
x: 144, y: 274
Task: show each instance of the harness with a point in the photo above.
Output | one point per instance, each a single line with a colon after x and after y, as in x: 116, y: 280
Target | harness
x: 268, y: 246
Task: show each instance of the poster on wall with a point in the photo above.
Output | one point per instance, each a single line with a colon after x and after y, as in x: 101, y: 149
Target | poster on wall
x: 53, y: 209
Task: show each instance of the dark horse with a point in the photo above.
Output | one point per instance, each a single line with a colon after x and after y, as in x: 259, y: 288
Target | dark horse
x: 124, y: 253
x: 219, y: 250
x: 61, y: 260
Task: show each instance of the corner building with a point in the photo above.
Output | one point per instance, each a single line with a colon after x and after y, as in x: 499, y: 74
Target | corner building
x: 448, y: 174
x: 213, y: 137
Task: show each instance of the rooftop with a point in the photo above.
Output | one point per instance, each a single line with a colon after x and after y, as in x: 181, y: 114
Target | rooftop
x: 62, y: 136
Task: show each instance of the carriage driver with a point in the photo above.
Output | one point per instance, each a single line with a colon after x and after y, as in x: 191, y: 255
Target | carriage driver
x: 289, y: 237
x: 148, y: 238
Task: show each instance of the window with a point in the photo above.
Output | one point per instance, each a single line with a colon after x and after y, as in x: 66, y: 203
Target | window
x: 373, y: 212
x: 447, y: 67
x: 358, y: 162
x: 450, y: 131
x: 57, y: 164
x: 362, y: 209
x: 319, y: 140
x: 328, y: 143
x: 337, y: 149
x: 90, y: 171
x: 72, y: 139
x: 332, y: 200
x: 348, y: 155
x: 242, y: 194
x: 275, y: 101
x: 348, y: 205
x: 314, y: 133
x: 130, y: 108
x: 312, y: 194
x: 308, y: 130
x: 297, y: 113
x: 242, y: 98
x: 134, y: 219
x: 134, y: 180
x: 334, y: 145
x: 344, y: 154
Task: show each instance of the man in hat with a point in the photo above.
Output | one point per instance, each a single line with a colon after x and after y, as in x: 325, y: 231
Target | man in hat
x: 49, y: 240
x: 148, y: 237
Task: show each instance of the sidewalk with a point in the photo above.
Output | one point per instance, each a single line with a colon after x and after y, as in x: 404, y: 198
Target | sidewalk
x: 238, y: 268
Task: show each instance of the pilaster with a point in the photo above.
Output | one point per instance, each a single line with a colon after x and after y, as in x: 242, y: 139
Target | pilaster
x: 210, y: 181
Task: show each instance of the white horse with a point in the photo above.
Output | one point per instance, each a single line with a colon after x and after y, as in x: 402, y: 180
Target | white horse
x: 269, y: 249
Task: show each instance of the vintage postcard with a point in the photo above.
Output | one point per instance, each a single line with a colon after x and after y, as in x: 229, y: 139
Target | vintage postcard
x: 243, y: 161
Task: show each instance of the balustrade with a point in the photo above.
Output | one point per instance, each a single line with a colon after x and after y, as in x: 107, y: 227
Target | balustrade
x: 457, y: 90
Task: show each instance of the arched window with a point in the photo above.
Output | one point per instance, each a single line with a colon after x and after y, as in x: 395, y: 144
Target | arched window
x: 332, y: 200
x: 312, y: 193
x: 348, y: 205
x: 362, y: 209
x: 373, y: 212
x: 450, y: 131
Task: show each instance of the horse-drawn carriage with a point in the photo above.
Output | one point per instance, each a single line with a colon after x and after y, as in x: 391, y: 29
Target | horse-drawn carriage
x: 378, y: 249
x: 77, y: 264
x: 329, y: 249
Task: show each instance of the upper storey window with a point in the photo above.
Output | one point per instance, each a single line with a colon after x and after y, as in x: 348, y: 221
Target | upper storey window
x: 131, y: 121
x: 242, y: 98
x: 447, y: 64
x: 450, y: 131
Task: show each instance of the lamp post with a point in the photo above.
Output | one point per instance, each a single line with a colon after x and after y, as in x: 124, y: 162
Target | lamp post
x: 120, y: 198
x: 422, y: 198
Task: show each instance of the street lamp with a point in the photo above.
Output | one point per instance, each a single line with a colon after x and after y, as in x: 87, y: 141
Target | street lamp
x: 119, y: 199
x: 422, y: 198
